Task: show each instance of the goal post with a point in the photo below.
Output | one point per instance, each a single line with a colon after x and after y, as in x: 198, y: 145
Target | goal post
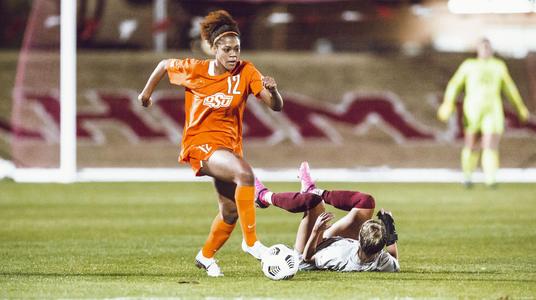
x: 68, y: 169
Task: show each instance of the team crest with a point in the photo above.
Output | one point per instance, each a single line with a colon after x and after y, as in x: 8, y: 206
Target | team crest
x: 217, y: 100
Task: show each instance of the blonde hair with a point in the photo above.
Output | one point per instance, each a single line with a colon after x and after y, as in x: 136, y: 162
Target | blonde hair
x: 372, y: 237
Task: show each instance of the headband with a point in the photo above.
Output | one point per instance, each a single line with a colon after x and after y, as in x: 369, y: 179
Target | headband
x: 222, y: 34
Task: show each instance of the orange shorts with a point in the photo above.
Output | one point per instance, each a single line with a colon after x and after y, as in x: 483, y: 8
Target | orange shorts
x: 196, y: 154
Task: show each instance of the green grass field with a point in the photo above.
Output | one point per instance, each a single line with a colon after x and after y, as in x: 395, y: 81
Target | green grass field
x: 138, y: 240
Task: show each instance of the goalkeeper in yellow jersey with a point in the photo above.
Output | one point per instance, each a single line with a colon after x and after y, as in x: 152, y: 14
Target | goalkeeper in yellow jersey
x: 484, y: 78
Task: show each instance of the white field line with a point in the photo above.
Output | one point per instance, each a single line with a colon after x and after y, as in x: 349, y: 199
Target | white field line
x: 380, y: 174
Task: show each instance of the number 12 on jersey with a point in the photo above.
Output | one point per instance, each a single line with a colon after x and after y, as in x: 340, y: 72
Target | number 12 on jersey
x: 232, y: 85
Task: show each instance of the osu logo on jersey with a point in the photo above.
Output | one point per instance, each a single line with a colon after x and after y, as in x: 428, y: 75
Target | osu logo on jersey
x: 217, y: 100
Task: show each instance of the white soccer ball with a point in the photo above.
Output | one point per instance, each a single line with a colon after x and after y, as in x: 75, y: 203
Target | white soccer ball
x: 280, y: 262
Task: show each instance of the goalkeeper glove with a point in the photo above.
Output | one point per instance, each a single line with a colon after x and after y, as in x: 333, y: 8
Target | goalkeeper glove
x: 444, y: 112
x: 390, y: 229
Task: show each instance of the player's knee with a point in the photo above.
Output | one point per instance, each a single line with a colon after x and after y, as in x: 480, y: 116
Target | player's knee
x: 230, y: 219
x: 369, y: 202
x: 225, y: 189
x: 229, y: 215
x: 245, y: 176
x: 312, y: 201
x: 365, y: 201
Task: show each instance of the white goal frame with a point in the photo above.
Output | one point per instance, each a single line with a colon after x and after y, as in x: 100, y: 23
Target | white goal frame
x: 68, y: 167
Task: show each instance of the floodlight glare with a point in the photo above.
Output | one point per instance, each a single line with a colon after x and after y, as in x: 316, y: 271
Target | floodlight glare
x: 491, y: 6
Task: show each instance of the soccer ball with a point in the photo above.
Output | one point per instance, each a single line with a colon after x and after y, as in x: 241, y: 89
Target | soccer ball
x: 280, y: 262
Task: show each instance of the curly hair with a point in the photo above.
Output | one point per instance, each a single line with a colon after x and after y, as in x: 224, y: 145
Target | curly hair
x: 216, y: 23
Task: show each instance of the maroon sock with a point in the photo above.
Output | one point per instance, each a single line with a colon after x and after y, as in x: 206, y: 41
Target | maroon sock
x: 346, y: 200
x: 295, y: 202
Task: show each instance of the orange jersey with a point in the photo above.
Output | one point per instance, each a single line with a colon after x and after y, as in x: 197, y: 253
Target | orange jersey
x: 214, y: 104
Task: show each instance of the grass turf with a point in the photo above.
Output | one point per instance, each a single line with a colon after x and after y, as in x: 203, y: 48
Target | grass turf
x: 107, y: 240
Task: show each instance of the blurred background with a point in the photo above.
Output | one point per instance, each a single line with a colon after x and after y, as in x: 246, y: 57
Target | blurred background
x: 361, y: 79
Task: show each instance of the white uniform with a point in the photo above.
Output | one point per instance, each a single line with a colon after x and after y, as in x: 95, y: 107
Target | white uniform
x: 340, y: 254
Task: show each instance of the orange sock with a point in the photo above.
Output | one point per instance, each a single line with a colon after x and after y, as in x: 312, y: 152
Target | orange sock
x: 245, y: 197
x: 219, y: 234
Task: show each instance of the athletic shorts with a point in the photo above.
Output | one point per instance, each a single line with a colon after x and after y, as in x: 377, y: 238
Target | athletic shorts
x: 484, y: 122
x: 196, y: 154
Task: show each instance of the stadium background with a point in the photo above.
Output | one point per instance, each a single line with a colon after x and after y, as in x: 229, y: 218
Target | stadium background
x: 388, y: 61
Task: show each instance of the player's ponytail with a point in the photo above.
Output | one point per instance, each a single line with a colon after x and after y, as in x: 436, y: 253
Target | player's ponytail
x: 216, y: 25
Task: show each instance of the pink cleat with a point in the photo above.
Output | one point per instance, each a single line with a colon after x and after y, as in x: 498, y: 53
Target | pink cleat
x: 260, y: 191
x: 307, y: 183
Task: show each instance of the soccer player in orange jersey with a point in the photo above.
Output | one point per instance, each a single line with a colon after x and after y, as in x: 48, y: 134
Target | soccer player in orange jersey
x: 216, y: 91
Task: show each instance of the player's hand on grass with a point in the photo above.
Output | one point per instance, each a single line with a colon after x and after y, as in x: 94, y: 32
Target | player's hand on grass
x: 269, y: 83
x: 322, y: 222
x: 145, y: 100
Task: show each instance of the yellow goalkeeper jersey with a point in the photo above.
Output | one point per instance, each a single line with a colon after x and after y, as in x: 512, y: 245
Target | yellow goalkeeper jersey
x: 483, y: 79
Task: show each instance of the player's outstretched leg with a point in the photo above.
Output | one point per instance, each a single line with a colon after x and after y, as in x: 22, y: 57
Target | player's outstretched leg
x: 348, y: 200
x: 360, y: 207
x: 220, y: 230
x: 296, y: 202
x: 219, y: 234
x: 291, y: 202
x: 345, y: 200
x: 225, y: 166
x: 245, y: 203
